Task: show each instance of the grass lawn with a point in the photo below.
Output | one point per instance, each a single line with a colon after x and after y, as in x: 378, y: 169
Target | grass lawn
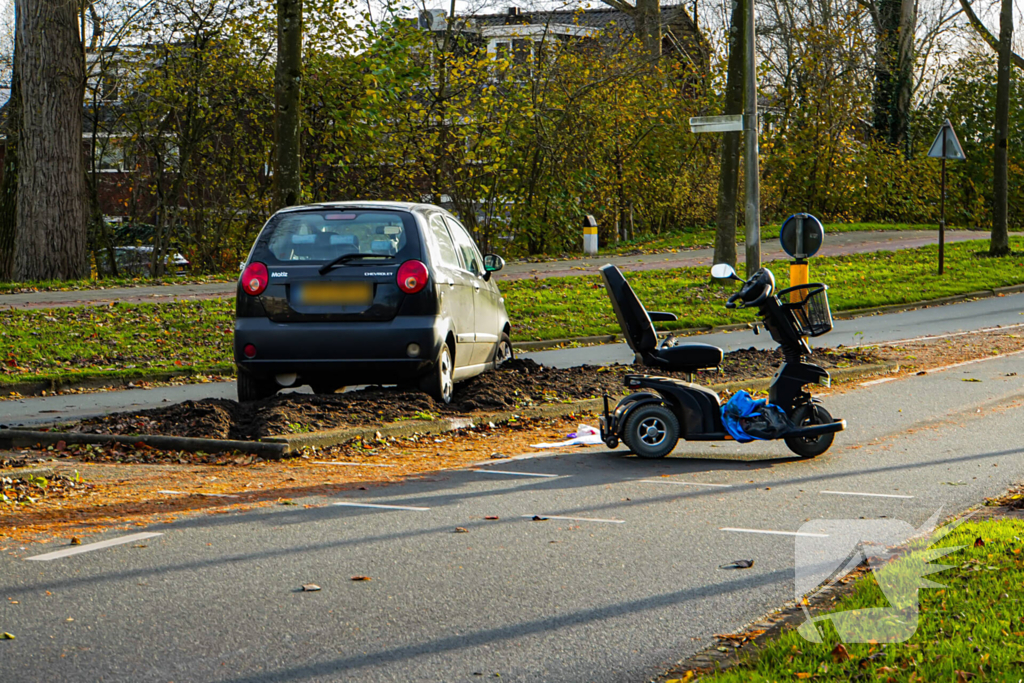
x: 133, y: 340
x: 704, y: 236
x: 111, y: 282
x: 970, y: 630
x: 578, y: 306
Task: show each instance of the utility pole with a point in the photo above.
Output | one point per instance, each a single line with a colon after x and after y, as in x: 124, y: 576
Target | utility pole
x: 752, y: 212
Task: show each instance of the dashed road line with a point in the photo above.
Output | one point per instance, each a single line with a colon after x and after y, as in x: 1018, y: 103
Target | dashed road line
x: 379, y: 506
x: 883, y: 380
x: 578, y: 519
x: 99, y: 545
x: 352, y: 464
x: 871, y: 495
x: 683, y: 483
x: 773, y: 533
x: 516, y: 474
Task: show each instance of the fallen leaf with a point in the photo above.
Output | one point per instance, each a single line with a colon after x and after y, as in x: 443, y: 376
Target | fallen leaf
x: 969, y: 379
x: 310, y: 587
x: 287, y: 502
x: 963, y: 676
x: 7, y: 636
x: 538, y: 518
x: 496, y: 517
x: 75, y: 541
x: 361, y: 578
x: 738, y: 564
x: 803, y: 675
x: 979, y: 542
x: 839, y: 654
x: 461, y: 530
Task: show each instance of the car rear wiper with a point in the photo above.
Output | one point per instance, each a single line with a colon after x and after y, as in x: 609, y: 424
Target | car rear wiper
x: 348, y: 257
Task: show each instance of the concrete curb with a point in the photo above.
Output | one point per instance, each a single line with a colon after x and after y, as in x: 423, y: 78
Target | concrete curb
x: 54, y: 385
x: 26, y: 472
x: 278, y: 447
x: 23, y: 438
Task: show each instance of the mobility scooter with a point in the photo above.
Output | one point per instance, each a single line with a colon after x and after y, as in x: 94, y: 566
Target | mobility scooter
x: 661, y: 410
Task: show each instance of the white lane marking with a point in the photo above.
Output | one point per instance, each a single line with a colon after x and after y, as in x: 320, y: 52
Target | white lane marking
x: 75, y: 550
x: 774, y: 533
x: 971, y: 362
x: 684, y: 483
x: 174, y: 493
x: 873, y: 495
x: 515, y: 474
x: 382, y: 507
x: 878, y: 381
x: 217, y: 495
x: 578, y: 519
x: 352, y: 464
x: 942, y: 336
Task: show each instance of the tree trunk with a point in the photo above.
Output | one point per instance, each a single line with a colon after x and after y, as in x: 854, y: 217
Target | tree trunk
x: 648, y: 26
x: 1000, y: 244
x: 729, y: 172
x: 895, y: 23
x: 52, y: 216
x: 9, y: 185
x: 287, y: 83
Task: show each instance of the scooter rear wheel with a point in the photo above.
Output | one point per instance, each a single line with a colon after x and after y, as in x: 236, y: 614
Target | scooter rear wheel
x: 651, y: 431
x: 805, y: 416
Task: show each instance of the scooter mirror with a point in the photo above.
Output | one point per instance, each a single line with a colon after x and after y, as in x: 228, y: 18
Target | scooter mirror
x: 723, y: 271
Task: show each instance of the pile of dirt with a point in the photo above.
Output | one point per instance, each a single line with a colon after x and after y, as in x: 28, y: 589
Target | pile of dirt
x: 518, y: 384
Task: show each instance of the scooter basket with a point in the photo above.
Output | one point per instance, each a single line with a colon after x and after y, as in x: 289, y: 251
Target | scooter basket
x: 808, y: 305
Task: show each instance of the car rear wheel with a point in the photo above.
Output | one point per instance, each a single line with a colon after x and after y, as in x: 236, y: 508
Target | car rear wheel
x: 253, y: 388
x: 325, y: 388
x: 439, y: 383
x: 503, y: 351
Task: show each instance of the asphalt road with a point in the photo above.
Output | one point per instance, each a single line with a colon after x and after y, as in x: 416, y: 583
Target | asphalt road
x: 835, y: 244
x: 937, y: 320
x: 615, y: 598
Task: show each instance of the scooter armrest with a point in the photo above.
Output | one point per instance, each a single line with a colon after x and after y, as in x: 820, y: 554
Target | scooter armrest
x: 661, y: 316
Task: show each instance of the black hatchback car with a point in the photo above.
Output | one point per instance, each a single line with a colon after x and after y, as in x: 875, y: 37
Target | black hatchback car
x: 346, y: 293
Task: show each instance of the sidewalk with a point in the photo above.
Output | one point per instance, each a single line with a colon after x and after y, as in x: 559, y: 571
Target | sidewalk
x: 835, y: 245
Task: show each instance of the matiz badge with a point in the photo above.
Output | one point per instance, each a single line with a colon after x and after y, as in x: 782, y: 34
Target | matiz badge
x: 279, y: 274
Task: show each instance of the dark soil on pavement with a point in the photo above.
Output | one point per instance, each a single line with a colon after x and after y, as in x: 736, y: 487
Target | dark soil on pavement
x: 516, y: 385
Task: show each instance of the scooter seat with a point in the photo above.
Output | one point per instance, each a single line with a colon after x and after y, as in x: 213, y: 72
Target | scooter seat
x: 684, y: 357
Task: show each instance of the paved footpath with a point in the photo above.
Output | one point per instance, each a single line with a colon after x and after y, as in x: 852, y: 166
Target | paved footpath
x: 837, y: 244
x: 623, y: 578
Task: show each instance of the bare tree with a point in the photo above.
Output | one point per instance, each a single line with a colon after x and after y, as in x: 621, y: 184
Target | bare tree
x: 51, y: 214
x: 287, y: 81
x: 647, y: 17
x: 1000, y: 242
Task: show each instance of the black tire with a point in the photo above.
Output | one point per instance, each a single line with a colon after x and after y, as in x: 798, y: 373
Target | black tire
x: 503, y: 351
x: 322, y: 389
x: 252, y: 388
x: 439, y: 383
x: 804, y: 416
x: 652, y: 431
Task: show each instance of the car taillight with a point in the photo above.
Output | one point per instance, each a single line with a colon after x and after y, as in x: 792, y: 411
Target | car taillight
x: 255, y: 279
x: 412, y: 277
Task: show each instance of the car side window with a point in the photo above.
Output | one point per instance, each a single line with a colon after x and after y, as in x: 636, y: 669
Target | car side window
x: 470, y: 254
x: 446, y: 248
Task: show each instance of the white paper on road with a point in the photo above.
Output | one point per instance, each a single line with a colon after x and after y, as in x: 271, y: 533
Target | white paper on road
x: 585, y: 435
x: 75, y: 550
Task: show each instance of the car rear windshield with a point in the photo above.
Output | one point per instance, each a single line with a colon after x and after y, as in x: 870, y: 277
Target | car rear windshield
x: 324, y: 235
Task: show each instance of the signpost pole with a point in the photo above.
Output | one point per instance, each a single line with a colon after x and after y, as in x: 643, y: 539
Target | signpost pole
x: 752, y: 199
x: 942, y: 205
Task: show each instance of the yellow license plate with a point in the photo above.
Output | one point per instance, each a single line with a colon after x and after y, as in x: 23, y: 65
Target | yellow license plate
x: 336, y: 293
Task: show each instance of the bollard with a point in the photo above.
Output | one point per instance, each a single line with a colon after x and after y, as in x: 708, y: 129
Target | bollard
x: 589, y: 235
x: 799, y: 274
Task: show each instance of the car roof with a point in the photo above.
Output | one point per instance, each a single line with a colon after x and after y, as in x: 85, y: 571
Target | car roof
x: 367, y: 204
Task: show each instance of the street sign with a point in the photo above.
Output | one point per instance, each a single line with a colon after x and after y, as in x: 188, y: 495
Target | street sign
x: 946, y: 145
x: 801, y: 235
x: 716, y: 124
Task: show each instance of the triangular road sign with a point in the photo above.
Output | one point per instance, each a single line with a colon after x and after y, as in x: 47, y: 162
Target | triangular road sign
x: 953, y: 150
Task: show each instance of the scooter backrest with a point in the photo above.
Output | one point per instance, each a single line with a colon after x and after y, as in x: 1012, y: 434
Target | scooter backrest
x: 631, y: 314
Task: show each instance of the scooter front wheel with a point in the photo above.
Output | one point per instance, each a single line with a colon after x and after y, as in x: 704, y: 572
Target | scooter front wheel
x: 806, y: 415
x: 651, y: 431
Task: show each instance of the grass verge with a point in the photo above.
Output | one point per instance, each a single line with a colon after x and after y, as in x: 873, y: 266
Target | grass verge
x: 124, y: 341
x: 111, y: 283
x: 971, y: 629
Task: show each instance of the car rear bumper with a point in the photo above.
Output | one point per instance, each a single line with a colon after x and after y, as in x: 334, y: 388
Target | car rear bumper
x: 343, y: 353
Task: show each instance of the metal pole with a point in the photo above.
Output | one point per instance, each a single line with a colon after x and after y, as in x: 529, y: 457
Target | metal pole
x: 752, y: 206
x: 942, y: 206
